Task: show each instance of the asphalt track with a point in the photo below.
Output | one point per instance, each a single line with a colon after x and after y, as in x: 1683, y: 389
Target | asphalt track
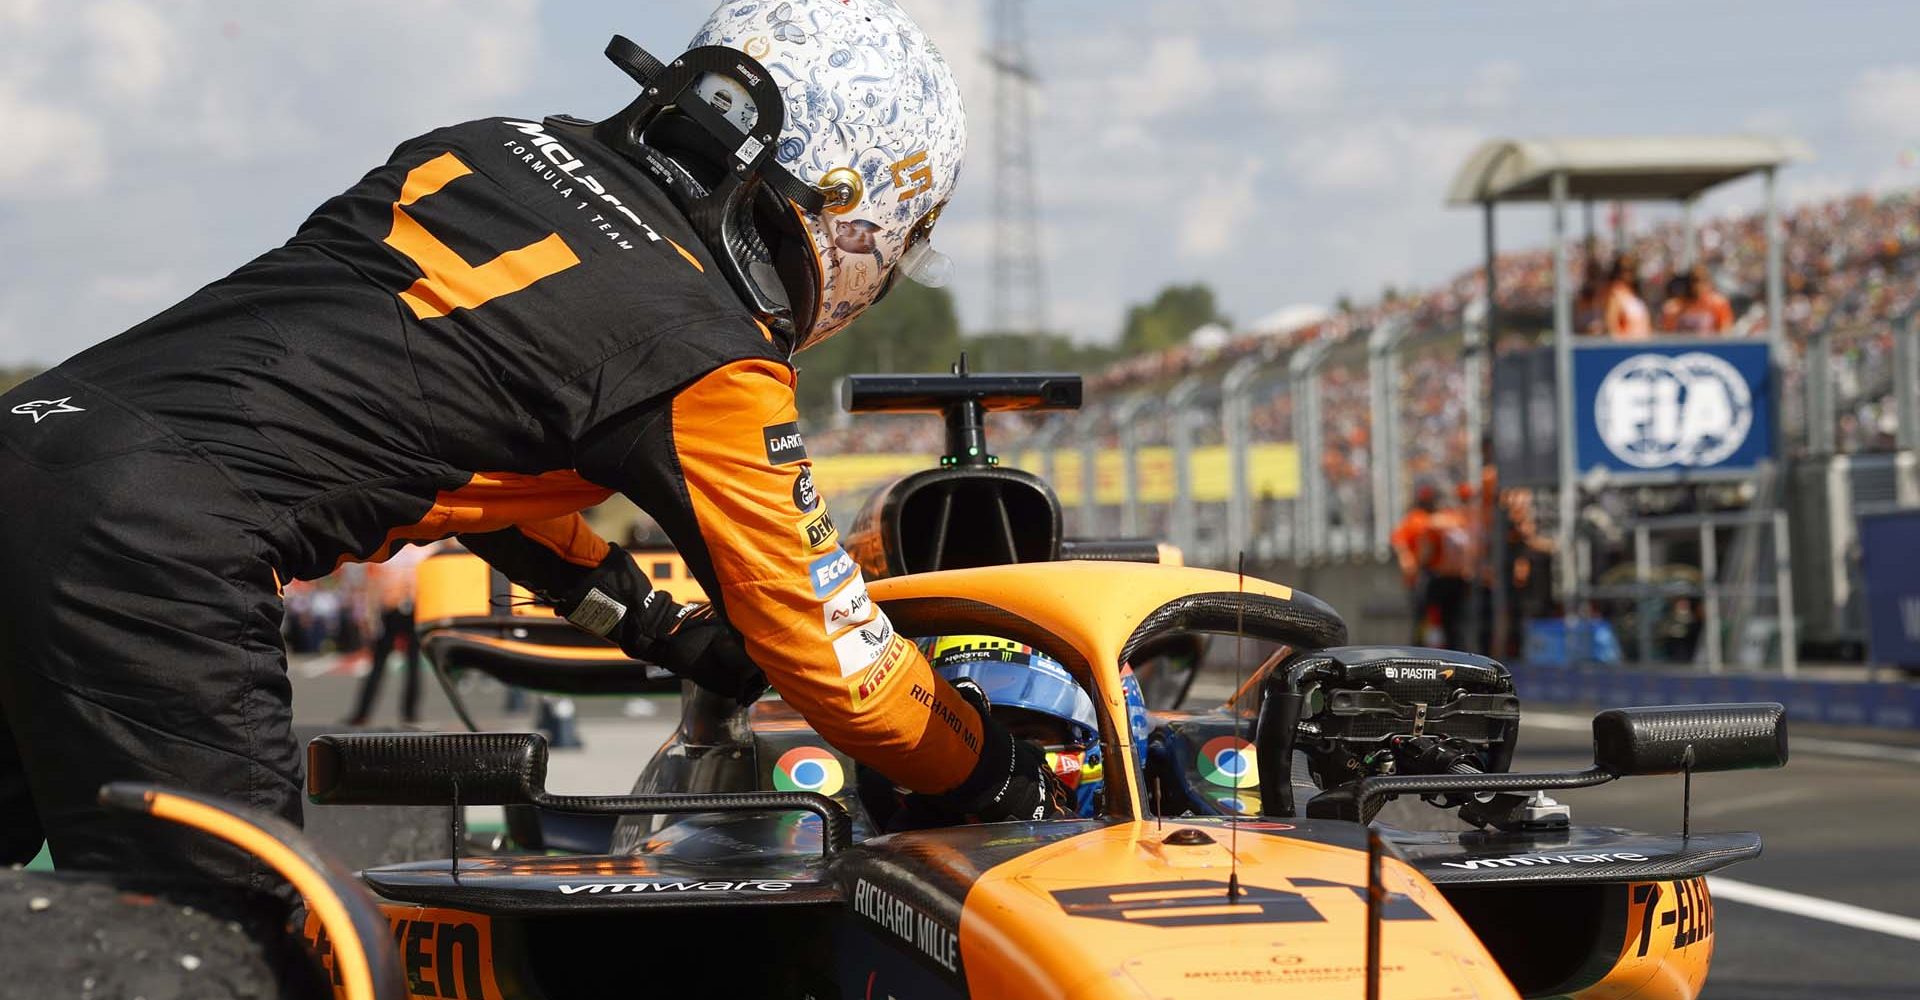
x: 1839, y: 829
x: 1841, y: 824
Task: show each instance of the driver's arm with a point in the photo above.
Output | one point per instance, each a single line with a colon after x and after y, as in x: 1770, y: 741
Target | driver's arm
x: 549, y: 556
x: 722, y: 468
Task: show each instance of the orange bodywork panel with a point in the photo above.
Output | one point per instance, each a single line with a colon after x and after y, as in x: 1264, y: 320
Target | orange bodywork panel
x: 1120, y: 912
x: 458, y: 586
x: 1668, y: 944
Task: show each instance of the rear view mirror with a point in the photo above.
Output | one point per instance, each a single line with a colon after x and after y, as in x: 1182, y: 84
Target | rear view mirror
x: 510, y: 769
x: 1668, y: 739
x: 493, y: 769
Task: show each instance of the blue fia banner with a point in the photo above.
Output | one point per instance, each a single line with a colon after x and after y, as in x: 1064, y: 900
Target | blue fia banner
x: 1672, y: 407
x: 1888, y: 546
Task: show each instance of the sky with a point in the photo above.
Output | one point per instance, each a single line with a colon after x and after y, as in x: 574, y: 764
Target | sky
x: 1283, y: 152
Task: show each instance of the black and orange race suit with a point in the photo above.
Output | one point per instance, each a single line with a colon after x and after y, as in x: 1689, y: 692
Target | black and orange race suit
x: 504, y: 324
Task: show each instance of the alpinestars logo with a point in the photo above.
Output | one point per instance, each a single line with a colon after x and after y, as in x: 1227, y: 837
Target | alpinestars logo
x: 563, y: 171
x: 41, y: 409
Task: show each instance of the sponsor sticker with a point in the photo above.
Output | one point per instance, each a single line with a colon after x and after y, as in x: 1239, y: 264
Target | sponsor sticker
x: 830, y: 571
x: 1229, y: 761
x: 637, y: 888
x: 447, y: 953
x: 912, y: 925
x: 850, y: 606
x: 859, y: 647
x: 1531, y: 860
x: 875, y: 679
x: 41, y: 409
x: 784, y: 446
x: 805, y: 497
x: 809, y: 769
x: 819, y: 532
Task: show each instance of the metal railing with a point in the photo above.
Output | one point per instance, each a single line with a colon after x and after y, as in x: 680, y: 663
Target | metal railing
x: 1309, y: 453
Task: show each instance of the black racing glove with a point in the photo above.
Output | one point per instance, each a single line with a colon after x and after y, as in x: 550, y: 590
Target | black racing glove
x: 1012, y: 782
x: 616, y: 601
x: 704, y: 649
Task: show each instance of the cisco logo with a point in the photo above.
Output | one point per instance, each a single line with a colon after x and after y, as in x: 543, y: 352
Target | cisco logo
x: 1658, y: 411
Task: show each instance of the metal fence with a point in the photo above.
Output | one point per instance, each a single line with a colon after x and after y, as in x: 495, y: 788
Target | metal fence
x: 1311, y: 454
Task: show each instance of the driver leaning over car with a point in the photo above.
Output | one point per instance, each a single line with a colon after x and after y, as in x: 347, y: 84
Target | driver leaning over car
x: 506, y: 323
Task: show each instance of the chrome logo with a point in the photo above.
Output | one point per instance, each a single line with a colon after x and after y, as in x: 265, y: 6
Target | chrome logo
x: 808, y: 769
x: 1228, y: 760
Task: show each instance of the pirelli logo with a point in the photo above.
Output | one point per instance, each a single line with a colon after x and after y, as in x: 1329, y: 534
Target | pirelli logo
x: 875, y: 679
x: 784, y: 444
x: 819, y: 532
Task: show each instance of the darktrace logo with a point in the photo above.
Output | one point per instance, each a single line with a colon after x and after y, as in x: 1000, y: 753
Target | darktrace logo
x: 41, y: 409
x: 784, y: 446
x: 805, y: 498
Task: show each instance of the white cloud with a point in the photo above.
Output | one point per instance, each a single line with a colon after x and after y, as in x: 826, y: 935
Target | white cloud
x: 196, y: 133
x: 1494, y: 86
x: 142, y: 288
x: 1214, y: 214
x: 1293, y: 81
x: 1884, y: 102
x: 67, y: 154
x: 134, y: 51
x: 1388, y: 152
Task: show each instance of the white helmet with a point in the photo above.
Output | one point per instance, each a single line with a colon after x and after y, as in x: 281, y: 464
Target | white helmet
x: 817, y: 227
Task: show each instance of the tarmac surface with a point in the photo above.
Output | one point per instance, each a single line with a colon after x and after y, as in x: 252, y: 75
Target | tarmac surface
x: 1841, y: 824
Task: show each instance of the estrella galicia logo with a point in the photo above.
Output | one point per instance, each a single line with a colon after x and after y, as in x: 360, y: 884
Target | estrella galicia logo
x: 41, y: 409
x: 805, y: 498
x: 830, y: 571
x: 1655, y: 411
x: 784, y: 446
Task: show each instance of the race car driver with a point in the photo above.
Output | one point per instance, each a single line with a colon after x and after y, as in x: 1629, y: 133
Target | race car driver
x: 504, y: 324
x: 1038, y: 701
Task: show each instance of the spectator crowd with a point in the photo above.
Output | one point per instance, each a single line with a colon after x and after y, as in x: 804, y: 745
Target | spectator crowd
x: 1852, y: 266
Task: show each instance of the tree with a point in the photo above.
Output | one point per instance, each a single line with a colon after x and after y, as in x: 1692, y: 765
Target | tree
x: 913, y: 329
x: 1177, y: 311
x: 1018, y: 352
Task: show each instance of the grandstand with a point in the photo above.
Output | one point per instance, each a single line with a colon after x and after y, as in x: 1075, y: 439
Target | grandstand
x: 1851, y: 289
x: 1852, y: 271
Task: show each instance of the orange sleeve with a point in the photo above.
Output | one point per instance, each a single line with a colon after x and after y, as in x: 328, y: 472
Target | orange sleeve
x: 546, y: 556
x: 796, y: 597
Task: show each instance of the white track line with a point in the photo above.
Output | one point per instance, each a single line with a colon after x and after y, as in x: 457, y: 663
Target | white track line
x: 1795, y: 744
x: 1815, y: 908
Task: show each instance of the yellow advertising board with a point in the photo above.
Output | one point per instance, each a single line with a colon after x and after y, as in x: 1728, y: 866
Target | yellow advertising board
x: 1274, y: 468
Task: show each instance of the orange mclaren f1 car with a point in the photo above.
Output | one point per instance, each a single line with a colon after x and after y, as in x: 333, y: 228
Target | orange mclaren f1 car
x: 1236, y: 852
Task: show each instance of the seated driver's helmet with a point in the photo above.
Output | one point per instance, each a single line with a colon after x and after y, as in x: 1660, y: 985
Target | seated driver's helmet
x: 1035, y: 697
x: 873, y: 122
